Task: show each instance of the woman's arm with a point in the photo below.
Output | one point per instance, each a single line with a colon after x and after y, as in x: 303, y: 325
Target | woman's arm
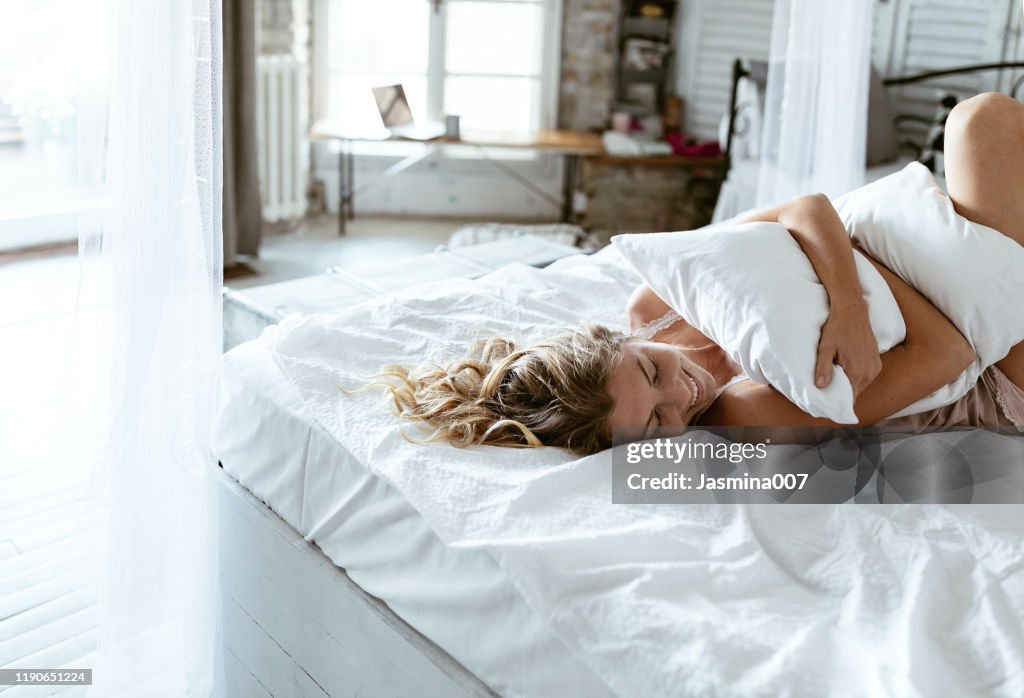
x: 643, y: 306
x: 846, y: 337
x: 933, y: 354
x: 816, y: 226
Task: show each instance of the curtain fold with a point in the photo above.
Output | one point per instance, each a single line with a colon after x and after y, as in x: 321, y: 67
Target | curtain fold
x: 243, y: 215
x: 816, y: 99
x: 152, y: 147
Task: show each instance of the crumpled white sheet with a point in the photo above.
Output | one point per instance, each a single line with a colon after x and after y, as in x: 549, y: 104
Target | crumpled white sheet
x: 693, y: 600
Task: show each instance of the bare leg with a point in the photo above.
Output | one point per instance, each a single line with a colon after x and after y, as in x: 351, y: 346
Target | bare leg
x: 984, y: 153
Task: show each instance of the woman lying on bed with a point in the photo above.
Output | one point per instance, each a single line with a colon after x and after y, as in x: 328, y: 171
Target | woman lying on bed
x: 572, y: 390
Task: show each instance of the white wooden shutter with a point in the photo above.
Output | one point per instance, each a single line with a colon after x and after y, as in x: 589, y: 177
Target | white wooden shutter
x: 1014, y: 50
x: 714, y: 33
x: 936, y: 34
x: 909, y: 36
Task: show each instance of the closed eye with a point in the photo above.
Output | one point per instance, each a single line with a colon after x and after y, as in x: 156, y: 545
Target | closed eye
x: 657, y: 371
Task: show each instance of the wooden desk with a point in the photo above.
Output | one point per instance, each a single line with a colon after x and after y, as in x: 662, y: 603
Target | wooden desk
x: 656, y: 192
x: 571, y: 145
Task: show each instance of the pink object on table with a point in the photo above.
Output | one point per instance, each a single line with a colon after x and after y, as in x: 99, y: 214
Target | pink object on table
x: 622, y: 121
x: 680, y: 146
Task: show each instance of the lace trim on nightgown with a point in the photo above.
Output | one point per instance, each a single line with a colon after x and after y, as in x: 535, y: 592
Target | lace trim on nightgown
x: 657, y: 325
x: 1004, y: 407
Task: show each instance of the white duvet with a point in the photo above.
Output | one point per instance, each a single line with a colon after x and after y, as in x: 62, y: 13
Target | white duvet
x: 689, y: 600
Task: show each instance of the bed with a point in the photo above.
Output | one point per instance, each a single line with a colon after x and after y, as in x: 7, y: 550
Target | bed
x: 494, y: 571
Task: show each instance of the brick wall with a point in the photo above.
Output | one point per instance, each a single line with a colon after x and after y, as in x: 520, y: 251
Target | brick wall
x: 623, y: 197
x: 588, y: 61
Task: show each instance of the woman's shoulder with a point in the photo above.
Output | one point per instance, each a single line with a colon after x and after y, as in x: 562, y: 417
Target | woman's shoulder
x: 738, y: 404
x: 644, y: 306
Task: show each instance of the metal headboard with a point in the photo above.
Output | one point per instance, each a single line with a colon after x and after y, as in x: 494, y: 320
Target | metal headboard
x: 758, y: 70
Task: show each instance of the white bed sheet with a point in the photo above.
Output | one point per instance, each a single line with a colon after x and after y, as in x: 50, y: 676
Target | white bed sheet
x: 460, y: 598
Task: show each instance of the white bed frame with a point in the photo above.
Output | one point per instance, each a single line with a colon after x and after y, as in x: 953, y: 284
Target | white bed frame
x: 296, y: 625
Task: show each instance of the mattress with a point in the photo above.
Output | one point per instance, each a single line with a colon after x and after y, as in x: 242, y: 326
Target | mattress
x: 459, y: 598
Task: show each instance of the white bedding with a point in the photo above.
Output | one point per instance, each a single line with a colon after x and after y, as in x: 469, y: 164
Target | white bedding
x: 461, y: 599
x: 772, y: 600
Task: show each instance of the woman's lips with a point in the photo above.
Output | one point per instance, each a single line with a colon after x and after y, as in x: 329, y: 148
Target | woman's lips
x: 700, y: 388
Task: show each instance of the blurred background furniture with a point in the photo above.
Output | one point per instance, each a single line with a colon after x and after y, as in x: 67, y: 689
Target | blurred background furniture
x: 894, y: 138
x: 645, y: 56
x: 570, y: 145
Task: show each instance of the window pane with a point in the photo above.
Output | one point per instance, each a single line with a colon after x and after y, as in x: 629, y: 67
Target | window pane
x: 48, y: 49
x: 493, y: 103
x: 382, y: 35
x: 494, y: 37
x: 351, y: 105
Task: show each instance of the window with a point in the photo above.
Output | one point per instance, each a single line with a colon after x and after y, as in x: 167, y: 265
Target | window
x: 492, y: 62
x: 46, y: 49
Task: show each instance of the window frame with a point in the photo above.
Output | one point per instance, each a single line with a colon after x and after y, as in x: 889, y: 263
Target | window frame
x: 550, y: 61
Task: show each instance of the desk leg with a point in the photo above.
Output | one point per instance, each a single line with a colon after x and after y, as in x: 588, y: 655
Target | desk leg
x: 351, y: 180
x: 569, y: 174
x: 346, y: 185
x: 342, y: 189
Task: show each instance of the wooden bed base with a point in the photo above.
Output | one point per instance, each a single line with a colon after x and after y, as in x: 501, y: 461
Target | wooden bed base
x: 296, y: 625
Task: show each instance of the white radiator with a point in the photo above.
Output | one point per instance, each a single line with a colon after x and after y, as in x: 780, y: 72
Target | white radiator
x: 281, y: 90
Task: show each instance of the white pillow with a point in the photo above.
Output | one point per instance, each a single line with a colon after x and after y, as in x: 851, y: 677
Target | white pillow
x: 751, y: 289
x: 972, y: 273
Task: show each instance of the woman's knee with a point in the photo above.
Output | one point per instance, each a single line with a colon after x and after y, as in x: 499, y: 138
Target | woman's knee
x: 991, y: 115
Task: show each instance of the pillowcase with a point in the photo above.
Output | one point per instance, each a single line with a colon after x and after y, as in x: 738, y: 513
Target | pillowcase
x: 751, y: 289
x: 972, y: 273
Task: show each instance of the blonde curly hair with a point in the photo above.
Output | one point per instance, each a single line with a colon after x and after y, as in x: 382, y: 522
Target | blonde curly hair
x: 552, y: 393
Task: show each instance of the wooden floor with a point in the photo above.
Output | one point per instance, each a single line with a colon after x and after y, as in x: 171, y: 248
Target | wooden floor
x: 47, y: 595
x: 47, y: 614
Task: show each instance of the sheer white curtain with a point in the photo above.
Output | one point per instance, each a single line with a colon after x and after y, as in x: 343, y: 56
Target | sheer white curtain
x: 816, y: 100
x: 150, y: 141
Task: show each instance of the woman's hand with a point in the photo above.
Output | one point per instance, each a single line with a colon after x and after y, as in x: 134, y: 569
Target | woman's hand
x: 846, y: 337
x: 848, y: 340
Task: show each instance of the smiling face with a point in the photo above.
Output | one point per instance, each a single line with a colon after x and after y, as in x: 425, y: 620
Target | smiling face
x: 656, y: 385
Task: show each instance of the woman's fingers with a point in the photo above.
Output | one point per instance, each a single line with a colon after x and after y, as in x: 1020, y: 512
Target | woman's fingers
x: 826, y: 355
x: 848, y: 340
x: 861, y: 372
